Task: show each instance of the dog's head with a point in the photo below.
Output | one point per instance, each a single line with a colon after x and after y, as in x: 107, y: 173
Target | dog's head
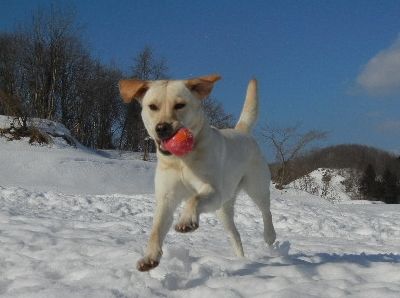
x: 168, y: 105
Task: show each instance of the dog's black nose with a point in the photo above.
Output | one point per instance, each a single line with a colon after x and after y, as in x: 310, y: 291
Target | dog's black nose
x: 164, y: 130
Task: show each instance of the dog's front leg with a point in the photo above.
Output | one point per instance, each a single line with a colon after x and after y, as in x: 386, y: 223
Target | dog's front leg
x: 162, y: 222
x: 206, y: 200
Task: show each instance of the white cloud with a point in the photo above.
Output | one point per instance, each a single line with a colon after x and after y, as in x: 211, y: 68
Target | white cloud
x: 381, y: 75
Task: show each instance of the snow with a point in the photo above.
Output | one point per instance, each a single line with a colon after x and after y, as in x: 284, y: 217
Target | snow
x: 333, y: 188
x: 73, y: 223
x: 59, y: 167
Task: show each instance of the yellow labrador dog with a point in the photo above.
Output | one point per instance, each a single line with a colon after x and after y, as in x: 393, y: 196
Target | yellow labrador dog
x: 209, y: 177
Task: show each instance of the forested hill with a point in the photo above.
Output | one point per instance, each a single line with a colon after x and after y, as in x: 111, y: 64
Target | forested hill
x: 351, y: 156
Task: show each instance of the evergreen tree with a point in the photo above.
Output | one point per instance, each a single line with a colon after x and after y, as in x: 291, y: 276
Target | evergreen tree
x: 390, y: 187
x: 367, y: 185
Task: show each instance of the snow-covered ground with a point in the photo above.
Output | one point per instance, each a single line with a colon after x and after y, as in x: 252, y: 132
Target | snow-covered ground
x: 327, y: 183
x: 62, y: 168
x: 73, y: 223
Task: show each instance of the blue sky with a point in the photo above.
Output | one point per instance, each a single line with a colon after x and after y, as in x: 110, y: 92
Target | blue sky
x: 331, y: 65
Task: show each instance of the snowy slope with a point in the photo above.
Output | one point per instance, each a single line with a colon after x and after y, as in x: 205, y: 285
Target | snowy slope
x: 73, y: 223
x: 60, y: 167
x: 327, y: 183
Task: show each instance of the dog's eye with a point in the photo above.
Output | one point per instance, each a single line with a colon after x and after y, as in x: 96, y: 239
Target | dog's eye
x: 153, y: 107
x: 179, y: 106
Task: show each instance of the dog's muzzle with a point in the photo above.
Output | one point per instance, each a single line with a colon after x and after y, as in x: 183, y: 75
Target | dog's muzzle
x: 164, y: 130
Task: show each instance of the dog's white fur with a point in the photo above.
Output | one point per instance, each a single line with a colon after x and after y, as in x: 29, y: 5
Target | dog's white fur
x: 209, y: 177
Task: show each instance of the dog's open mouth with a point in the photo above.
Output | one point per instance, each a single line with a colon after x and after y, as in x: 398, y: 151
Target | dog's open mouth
x: 179, y: 143
x: 161, y: 148
x: 161, y: 144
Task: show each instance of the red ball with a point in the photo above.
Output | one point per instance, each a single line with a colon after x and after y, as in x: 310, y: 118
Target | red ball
x: 181, y: 143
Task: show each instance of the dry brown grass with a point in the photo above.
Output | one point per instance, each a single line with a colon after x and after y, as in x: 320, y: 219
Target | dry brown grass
x: 17, y: 133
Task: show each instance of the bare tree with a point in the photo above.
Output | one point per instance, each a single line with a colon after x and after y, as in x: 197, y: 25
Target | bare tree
x: 106, y: 105
x: 50, y: 51
x: 288, y: 143
x: 46, y: 72
x: 148, y: 67
x: 10, y: 52
x: 13, y: 106
x: 216, y: 114
x: 93, y: 116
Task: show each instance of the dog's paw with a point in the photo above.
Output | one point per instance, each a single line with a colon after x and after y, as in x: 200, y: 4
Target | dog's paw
x: 146, y: 264
x: 186, y: 227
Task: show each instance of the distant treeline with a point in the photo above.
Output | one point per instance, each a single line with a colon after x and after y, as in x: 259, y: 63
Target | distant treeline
x: 47, y: 71
x: 376, y: 174
x: 385, y: 187
x: 46, y: 68
x: 344, y: 156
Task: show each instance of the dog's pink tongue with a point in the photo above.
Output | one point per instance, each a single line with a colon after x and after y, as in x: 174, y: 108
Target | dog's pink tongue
x: 181, y: 143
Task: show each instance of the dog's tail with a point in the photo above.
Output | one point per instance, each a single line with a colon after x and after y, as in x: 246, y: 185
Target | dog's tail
x: 250, y: 108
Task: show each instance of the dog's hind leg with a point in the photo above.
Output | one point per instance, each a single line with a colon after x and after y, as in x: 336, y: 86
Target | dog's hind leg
x: 226, y: 215
x: 256, y: 185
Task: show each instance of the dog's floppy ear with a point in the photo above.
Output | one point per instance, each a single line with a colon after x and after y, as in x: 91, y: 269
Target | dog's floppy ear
x: 202, y: 86
x: 132, y: 89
